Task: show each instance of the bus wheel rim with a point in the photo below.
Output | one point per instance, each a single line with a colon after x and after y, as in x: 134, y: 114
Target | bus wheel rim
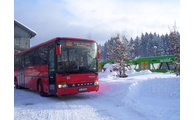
x: 40, y: 88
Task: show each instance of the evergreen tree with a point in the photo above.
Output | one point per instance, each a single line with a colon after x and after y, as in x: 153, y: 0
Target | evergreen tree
x: 150, y: 48
x: 136, y: 46
x: 166, y: 45
x: 104, y: 52
x: 144, y: 46
x: 130, y: 44
x: 161, y: 46
x: 146, y: 38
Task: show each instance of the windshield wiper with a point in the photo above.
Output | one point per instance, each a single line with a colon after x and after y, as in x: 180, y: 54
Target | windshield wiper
x: 93, y: 72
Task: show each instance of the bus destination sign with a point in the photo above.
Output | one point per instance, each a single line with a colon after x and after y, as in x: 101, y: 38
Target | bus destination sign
x: 78, y: 44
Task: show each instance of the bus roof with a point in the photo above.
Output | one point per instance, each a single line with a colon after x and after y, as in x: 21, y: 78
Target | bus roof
x: 49, y: 41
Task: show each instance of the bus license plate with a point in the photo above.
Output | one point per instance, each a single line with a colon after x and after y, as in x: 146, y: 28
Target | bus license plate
x: 82, y: 89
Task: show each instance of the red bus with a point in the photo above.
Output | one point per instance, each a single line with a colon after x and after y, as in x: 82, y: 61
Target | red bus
x: 59, y: 66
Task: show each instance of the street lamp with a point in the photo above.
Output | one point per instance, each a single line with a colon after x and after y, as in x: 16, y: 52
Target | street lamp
x: 155, y: 48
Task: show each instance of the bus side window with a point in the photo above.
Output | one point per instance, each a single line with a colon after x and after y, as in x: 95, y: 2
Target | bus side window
x: 171, y: 65
x: 132, y: 66
x: 17, y: 61
x: 156, y: 65
x: 164, y: 66
x: 51, y: 59
x: 137, y: 66
x: 27, y: 60
x: 43, y: 54
x: 151, y: 66
x: 178, y: 66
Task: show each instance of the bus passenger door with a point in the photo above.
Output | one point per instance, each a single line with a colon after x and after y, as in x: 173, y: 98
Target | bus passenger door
x: 144, y: 65
x: 51, y: 71
x: 22, y: 73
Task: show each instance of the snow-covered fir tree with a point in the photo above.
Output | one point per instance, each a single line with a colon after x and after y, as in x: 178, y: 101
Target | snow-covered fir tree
x: 130, y: 44
x: 146, y: 45
x: 161, y: 46
x: 136, y: 46
x: 150, y: 46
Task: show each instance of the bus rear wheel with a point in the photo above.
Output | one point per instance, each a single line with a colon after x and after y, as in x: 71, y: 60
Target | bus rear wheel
x: 16, y: 83
x: 41, y: 89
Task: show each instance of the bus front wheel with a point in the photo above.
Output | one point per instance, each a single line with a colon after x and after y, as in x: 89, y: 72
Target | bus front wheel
x: 41, y: 89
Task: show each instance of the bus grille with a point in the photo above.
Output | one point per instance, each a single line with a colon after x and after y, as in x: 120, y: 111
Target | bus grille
x: 80, y: 84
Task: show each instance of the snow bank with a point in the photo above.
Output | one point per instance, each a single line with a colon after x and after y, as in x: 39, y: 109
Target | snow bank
x: 157, y: 98
x: 152, y: 96
x: 108, y: 75
x: 108, y: 67
x: 130, y: 73
x: 133, y: 72
x: 158, y: 87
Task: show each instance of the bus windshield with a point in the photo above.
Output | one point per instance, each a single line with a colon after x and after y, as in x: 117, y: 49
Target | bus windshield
x: 77, y: 57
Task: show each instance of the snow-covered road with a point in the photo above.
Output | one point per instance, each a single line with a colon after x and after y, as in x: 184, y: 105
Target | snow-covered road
x: 141, y: 96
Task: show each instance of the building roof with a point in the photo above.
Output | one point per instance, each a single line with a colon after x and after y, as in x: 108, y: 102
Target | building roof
x: 32, y: 32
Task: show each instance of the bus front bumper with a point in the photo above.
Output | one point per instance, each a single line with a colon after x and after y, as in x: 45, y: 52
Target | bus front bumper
x: 74, y: 90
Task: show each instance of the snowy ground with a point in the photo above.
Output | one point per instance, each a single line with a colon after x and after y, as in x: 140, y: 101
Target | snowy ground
x: 141, y: 96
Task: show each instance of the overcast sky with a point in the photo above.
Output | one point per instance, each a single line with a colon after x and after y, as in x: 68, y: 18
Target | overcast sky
x: 96, y: 19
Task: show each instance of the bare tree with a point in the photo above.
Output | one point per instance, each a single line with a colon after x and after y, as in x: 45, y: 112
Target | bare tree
x: 120, y: 52
x: 175, y: 47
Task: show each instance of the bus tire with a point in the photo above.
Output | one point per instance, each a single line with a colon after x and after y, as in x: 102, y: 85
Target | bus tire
x: 41, y: 89
x: 16, y: 83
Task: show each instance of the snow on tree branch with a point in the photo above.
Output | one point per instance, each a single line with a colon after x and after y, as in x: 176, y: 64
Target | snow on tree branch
x: 175, y: 47
x: 119, y: 51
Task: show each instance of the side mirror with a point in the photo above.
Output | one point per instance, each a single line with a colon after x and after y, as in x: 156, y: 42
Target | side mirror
x: 98, y: 54
x: 58, y: 49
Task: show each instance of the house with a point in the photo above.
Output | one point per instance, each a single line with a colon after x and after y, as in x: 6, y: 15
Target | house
x: 22, y: 36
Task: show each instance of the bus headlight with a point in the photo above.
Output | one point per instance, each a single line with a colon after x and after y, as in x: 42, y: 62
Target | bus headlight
x: 62, y: 85
x: 96, y: 82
